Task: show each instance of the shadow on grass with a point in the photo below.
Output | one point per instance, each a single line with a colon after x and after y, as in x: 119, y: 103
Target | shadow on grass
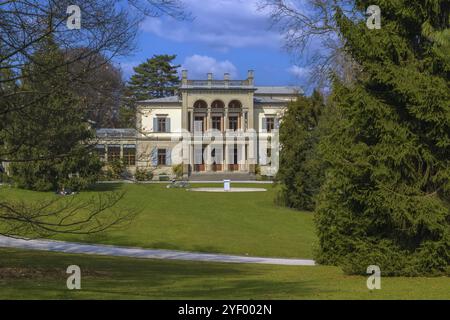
x: 104, y: 187
x: 176, y: 287
x: 123, y: 278
x: 107, y: 239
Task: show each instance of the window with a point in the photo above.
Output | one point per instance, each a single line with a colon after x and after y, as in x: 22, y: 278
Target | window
x: 198, y: 124
x: 270, y: 124
x: 162, y: 125
x: 113, y: 153
x: 233, y: 123
x: 217, y: 104
x: 129, y: 155
x: 200, y: 104
x: 100, y: 149
x: 217, y: 123
x: 162, y: 157
x: 235, y: 104
x: 269, y: 155
x: 189, y: 121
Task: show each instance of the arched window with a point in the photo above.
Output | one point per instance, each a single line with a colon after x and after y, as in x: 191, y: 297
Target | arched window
x: 235, y: 104
x: 217, y: 104
x: 200, y: 104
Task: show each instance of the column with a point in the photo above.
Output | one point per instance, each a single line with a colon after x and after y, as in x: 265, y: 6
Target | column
x: 225, y: 119
x: 250, y: 118
x: 184, y: 112
x: 225, y: 141
x: 191, y: 129
x: 209, y: 119
x: 191, y: 155
x: 242, y: 161
x: 225, y: 155
x: 242, y: 120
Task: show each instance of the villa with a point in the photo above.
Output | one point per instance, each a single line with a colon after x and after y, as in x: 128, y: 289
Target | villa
x: 210, y: 126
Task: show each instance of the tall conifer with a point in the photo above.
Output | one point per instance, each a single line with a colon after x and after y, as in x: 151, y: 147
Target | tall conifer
x: 386, y: 198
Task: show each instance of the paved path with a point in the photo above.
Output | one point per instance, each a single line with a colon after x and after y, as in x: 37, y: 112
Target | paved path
x: 70, y: 247
x: 231, y: 189
x: 189, y: 181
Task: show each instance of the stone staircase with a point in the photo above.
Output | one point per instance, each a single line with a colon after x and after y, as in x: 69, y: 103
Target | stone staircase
x: 220, y: 176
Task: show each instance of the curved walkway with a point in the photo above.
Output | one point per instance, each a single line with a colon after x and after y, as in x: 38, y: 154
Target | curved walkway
x: 71, y: 247
x: 226, y: 191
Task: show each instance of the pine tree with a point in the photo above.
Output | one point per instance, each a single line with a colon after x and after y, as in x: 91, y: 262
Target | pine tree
x: 155, y: 78
x: 54, y: 125
x: 386, y: 197
x: 301, y: 171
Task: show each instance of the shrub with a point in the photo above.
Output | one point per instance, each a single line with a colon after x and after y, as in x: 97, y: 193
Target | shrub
x: 178, y: 170
x: 76, y: 173
x: 118, y: 168
x: 143, y: 175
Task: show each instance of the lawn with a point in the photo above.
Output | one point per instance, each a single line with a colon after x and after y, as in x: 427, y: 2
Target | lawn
x: 235, y: 223
x: 41, y: 275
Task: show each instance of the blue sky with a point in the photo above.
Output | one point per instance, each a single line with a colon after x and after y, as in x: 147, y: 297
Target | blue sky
x: 224, y: 36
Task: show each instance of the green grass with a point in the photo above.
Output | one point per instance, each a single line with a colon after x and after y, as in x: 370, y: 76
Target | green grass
x: 234, y: 223
x: 237, y: 223
x: 41, y: 275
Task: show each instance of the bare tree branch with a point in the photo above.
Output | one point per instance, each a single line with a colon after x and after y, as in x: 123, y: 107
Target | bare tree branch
x: 309, y: 27
x: 108, y: 29
x: 64, y: 215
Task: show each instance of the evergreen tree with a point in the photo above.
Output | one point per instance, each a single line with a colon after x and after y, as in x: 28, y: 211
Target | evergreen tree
x: 386, y: 197
x: 155, y: 78
x: 60, y: 122
x: 301, y: 171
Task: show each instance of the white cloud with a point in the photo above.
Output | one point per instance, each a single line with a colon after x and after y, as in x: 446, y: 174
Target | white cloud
x: 222, y: 24
x: 298, y: 72
x: 198, y: 66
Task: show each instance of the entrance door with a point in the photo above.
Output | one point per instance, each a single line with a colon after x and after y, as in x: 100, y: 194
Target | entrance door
x: 234, y: 166
x: 199, y: 124
x: 199, y: 160
x: 216, y: 153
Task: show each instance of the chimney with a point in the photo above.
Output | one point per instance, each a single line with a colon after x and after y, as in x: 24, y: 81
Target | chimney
x: 250, y: 77
x: 226, y: 77
x: 184, y: 75
x: 210, y: 76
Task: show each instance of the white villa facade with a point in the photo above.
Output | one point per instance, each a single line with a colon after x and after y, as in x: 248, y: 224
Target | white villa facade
x: 227, y: 126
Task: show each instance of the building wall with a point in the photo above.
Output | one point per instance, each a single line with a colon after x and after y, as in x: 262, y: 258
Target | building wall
x: 148, y: 113
x: 181, y: 113
x: 226, y: 96
x: 264, y: 111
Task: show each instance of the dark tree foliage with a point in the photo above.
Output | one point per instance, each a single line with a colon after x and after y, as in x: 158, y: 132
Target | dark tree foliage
x: 62, y: 130
x: 155, y: 78
x: 386, y: 197
x: 301, y: 170
x: 43, y: 132
x: 100, y: 90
